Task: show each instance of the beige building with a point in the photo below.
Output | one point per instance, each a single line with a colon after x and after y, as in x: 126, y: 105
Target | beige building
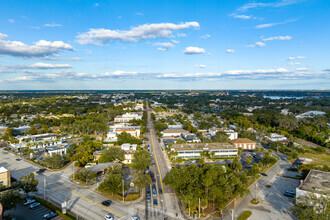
x: 244, y: 143
x: 4, y: 177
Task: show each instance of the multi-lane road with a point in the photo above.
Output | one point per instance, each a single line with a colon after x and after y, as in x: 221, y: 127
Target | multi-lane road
x: 85, y: 203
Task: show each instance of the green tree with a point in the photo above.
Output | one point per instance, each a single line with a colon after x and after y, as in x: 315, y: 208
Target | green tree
x: 85, y: 175
x: 33, y: 130
x: 112, y: 154
x: 254, y: 169
x: 54, y: 161
x: 127, y: 138
x: 141, y: 179
x: 28, y: 184
x: 113, y: 181
x: 10, y: 199
x: 84, y: 153
x: 236, y: 164
x: 312, y: 207
x: 141, y: 160
x: 221, y: 136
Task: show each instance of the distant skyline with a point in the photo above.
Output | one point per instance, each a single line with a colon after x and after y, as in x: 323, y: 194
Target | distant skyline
x: 164, y: 44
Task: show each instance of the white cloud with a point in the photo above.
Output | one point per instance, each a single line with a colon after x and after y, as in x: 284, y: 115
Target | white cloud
x: 230, y: 73
x: 11, y: 20
x: 53, y: 25
x: 194, y: 50
x: 58, y: 58
x: 139, y: 13
x: 38, y: 49
x: 96, y: 4
x: 277, y: 38
x: 3, y: 36
x: 327, y: 70
x: 201, y: 66
x: 182, y: 35
x: 206, y: 36
x: 245, y: 17
x: 293, y: 64
x: 162, y: 48
x: 260, y: 26
x: 260, y: 44
x: 88, y: 52
x: 39, y: 66
x: 265, y: 5
x: 302, y: 69
x: 298, y: 57
x: 230, y: 51
x: 166, y: 45
x: 141, y: 32
x: 175, y: 41
x: 291, y: 58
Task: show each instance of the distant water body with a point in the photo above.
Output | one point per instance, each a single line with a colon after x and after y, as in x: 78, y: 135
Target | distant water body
x: 288, y: 97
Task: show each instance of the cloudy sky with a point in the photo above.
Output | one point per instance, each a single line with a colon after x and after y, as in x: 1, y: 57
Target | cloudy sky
x: 164, y: 44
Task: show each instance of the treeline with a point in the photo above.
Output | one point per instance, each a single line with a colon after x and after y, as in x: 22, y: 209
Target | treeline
x: 214, y: 185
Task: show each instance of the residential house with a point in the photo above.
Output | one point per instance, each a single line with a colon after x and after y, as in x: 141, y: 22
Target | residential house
x: 173, y: 132
x: 190, y: 138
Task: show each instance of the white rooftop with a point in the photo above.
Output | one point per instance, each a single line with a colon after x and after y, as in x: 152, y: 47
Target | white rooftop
x: 2, y: 170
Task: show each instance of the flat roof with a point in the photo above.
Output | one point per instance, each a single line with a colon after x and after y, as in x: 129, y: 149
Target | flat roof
x: 3, y: 170
x: 175, y: 131
x: 203, y: 146
x: 101, y: 166
x: 317, y: 181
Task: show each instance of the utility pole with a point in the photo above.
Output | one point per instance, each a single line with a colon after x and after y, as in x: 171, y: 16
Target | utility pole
x: 123, y: 190
x: 73, y: 171
x: 232, y: 214
x: 44, y: 188
x: 256, y: 191
x: 199, y: 207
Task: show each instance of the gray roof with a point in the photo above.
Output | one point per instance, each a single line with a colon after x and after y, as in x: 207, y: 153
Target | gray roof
x: 101, y: 166
x: 316, y: 180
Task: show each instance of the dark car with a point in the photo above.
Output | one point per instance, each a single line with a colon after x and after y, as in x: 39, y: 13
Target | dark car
x: 40, y: 171
x: 160, y: 191
x: 18, y: 159
x: 148, y: 198
x: 155, y: 202
x: 294, y: 169
x: 148, y: 191
x: 153, y: 186
x: 264, y: 174
x: 107, y: 202
x: 153, y: 179
x: 288, y: 194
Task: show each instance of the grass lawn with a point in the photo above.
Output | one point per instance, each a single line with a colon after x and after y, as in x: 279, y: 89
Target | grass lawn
x: 245, y: 215
x: 253, y: 201
x: 318, y: 158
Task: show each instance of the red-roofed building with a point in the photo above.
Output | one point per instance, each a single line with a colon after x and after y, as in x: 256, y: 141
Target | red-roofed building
x: 244, y: 143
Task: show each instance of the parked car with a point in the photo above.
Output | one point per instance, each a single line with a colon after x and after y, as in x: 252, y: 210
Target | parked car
x: 154, y: 193
x: 107, y: 202
x: 160, y: 191
x: 148, y: 198
x: 29, y: 201
x: 109, y: 216
x: 155, y: 202
x: 50, y: 215
x: 291, y: 192
x: 135, y: 217
x: 153, y: 186
x: 294, y: 169
x: 33, y: 205
x: 288, y: 194
x: 264, y: 174
x: 18, y: 159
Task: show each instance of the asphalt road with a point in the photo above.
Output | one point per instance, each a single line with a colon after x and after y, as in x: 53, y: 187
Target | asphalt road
x: 167, y: 202
x: 85, y: 203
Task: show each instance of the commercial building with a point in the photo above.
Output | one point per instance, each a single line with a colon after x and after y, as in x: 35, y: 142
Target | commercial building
x: 193, y: 150
x: 126, y: 118
x: 277, y: 138
x: 173, y: 132
x: 316, y: 183
x: 244, y: 143
x: 4, y: 177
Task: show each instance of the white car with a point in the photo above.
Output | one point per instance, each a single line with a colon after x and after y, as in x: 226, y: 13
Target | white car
x: 135, y: 217
x: 33, y: 205
x: 29, y: 201
x: 109, y: 217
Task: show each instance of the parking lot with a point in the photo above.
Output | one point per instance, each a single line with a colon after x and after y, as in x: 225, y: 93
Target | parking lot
x: 25, y: 213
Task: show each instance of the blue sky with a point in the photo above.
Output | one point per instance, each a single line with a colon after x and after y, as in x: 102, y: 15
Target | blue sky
x: 207, y: 44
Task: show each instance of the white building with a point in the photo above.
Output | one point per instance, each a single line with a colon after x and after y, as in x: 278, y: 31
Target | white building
x: 61, y: 150
x: 127, y: 147
x: 316, y: 183
x: 193, y: 150
x: 277, y: 137
x: 126, y: 118
x: 231, y: 133
x: 173, y: 132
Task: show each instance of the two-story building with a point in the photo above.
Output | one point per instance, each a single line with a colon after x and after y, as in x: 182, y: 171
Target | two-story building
x: 244, y: 143
x: 193, y: 150
x: 4, y: 177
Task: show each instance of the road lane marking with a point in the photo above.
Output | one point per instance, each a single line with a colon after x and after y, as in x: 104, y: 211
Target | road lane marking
x: 160, y: 175
x: 72, y: 192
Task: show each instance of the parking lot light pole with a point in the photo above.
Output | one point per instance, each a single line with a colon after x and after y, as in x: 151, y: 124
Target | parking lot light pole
x: 44, y: 188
